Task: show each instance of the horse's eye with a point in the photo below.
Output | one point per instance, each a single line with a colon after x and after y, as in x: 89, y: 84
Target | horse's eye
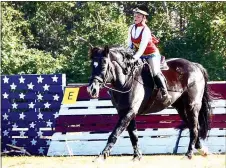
x: 104, y: 61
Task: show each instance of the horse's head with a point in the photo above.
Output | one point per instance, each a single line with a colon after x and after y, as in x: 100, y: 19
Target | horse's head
x: 99, y: 63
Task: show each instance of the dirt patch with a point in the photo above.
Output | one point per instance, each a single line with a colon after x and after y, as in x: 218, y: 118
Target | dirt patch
x: 153, y: 161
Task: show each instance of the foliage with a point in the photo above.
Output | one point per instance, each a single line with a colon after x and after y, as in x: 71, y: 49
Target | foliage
x: 43, y: 37
x: 100, y: 27
x: 16, y: 57
x: 203, y: 40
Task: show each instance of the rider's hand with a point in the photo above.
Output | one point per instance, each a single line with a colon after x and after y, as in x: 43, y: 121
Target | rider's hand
x: 132, y: 61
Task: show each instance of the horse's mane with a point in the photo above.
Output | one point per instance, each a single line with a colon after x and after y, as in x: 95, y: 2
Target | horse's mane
x: 125, y: 52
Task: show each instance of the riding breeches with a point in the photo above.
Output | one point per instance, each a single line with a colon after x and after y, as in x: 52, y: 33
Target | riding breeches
x: 154, y: 62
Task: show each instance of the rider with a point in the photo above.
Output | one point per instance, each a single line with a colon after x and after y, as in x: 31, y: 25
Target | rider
x: 141, y: 39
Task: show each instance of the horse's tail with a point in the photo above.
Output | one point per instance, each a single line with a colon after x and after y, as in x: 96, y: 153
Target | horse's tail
x: 206, y: 110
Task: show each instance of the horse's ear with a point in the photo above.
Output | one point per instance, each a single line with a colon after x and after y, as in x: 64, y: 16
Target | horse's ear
x: 106, y: 50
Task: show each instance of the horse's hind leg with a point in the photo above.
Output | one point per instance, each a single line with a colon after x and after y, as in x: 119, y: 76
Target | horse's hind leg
x: 180, y: 106
x: 201, y: 149
x: 188, y: 108
x: 134, y: 139
x: 195, y: 94
x: 192, y: 115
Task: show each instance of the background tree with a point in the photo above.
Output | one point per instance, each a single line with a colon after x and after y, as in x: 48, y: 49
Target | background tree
x: 42, y: 37
x: 16, y: 56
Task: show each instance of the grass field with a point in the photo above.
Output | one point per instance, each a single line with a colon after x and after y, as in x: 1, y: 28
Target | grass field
x: 152, y: 161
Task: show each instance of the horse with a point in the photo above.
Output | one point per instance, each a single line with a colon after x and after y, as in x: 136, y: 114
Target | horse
x: 133, y: 92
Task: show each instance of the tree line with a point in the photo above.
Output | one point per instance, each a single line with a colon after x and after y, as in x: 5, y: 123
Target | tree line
x: 43, y: 37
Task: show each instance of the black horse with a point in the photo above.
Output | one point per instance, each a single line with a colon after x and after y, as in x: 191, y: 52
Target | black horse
x: 133, y: 93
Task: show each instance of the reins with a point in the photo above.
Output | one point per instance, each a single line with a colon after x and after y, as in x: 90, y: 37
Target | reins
x: 133, y: 70
x: 130, y: 74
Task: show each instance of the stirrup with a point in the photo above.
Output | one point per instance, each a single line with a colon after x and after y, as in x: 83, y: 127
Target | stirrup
x: 167, y: 99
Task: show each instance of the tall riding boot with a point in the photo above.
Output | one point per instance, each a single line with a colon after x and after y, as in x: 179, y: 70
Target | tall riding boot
x: 159, y: 81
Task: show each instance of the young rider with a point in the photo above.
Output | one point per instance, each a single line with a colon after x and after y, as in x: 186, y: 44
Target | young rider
x: 141, y: 39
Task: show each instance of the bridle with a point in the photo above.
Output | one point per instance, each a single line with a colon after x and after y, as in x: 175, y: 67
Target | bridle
x: 103, y: 81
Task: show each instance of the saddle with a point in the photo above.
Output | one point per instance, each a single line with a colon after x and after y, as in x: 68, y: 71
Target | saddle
x: 163, y: 64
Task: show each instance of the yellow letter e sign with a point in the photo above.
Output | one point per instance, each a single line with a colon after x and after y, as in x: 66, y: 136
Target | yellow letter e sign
x: 70, y: 95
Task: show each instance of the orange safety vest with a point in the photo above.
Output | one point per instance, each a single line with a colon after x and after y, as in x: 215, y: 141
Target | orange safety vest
x: 151, y: 47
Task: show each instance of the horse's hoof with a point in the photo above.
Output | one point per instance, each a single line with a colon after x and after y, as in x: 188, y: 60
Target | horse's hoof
x: 205, y: 155
x: 136, y: 158
x: 106, y: 153
x: 137, y: 154
x: 189, y: 156
x: 203, y: 151
x: 99, y: 158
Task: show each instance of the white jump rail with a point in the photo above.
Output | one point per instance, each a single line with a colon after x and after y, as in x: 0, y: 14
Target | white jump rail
x: 151, y: 141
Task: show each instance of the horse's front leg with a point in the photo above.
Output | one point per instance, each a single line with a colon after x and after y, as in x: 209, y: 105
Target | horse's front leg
x: 134, y: 139
x: 119, y: 128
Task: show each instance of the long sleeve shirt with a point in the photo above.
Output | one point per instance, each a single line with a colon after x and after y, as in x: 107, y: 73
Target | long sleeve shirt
x: 140, y: 37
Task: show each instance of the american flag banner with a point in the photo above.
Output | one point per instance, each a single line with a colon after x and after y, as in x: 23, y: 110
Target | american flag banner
x: 30, y: 105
